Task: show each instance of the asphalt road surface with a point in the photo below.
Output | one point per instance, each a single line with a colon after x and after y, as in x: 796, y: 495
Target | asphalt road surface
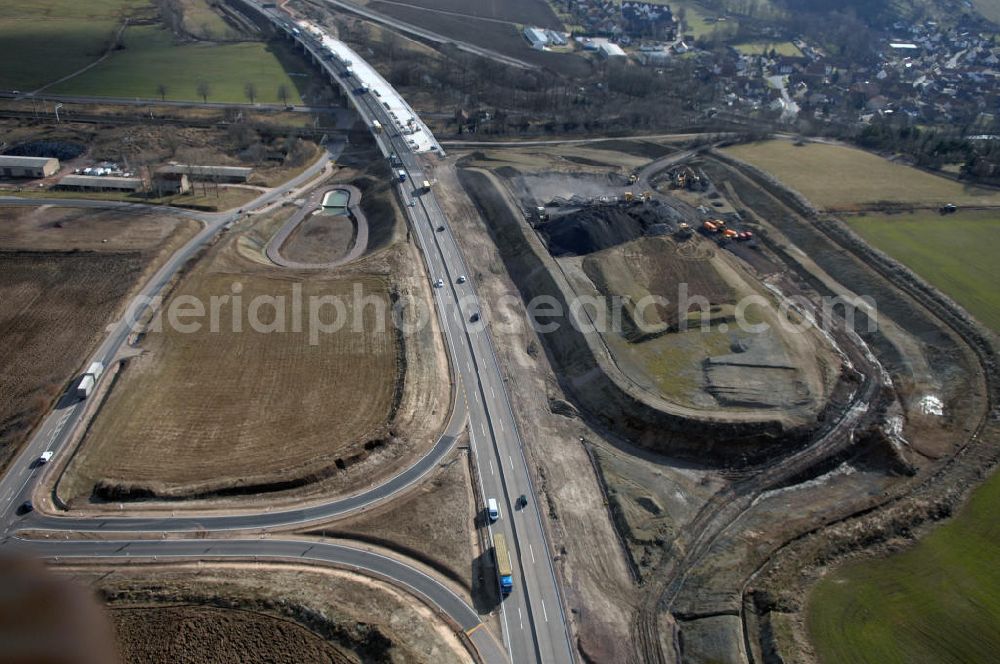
x: 534, y: 626
x: 370, y: 563
x: 534, y: 623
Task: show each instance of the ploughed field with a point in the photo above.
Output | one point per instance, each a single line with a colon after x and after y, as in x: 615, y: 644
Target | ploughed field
x: 494, y: 26
x: 203, y: 634
x: 240, y: 410
x: 530, y: 12
x: 64, y: 274
x: 53, y: 306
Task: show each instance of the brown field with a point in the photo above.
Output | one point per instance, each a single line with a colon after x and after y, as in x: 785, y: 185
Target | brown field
x: 505, y: 38
x: 54, y: 304
x: 175, y: 633
x: 204, y: 413
x: 845, y: 178
x: 321, y: 238
x: 60, y: 283
x: 529, y: 12
x: 204, y: 613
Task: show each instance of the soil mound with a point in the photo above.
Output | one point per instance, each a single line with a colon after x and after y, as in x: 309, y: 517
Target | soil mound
x: 592, y: 229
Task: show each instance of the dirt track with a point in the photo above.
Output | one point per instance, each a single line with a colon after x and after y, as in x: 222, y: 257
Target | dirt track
x: 695, y: 604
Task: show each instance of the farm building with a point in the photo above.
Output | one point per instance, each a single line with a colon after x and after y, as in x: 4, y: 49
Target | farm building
x: 165, y: 182
x: 537, y: 37
x: 210, y: 173
x: 608, y: 50
x: 28, y: 167
x: 100, y: 183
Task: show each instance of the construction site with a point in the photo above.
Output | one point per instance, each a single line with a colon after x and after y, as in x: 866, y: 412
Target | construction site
x: 715, y: 447
x: 294, y: 380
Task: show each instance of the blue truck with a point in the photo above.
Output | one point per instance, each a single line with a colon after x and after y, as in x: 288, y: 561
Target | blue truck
x: 505, y: 570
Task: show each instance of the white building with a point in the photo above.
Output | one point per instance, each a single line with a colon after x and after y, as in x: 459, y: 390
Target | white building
x: 609, y: 50
x: 28, y: 167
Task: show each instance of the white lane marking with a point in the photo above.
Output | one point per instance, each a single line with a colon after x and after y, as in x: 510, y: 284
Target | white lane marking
x: 482, y: 426
x: 511, y: 462
x: 532, y: 552
x: 544, y: 612
x: 501, y: 423
x: 519, y: 617
x: 493, y: 393
x: 491, y: 467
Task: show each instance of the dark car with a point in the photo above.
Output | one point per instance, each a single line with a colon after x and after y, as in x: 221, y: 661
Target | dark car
x: 522, y: 502
x: 440, y: 228
x: 474, y: 317
x: 25, y: 507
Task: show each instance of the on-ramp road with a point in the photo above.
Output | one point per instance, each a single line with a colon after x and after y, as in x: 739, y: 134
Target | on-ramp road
x: 534, y: 625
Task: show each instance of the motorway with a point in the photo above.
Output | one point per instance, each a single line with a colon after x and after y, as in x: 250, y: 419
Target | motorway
x: 534, y: 625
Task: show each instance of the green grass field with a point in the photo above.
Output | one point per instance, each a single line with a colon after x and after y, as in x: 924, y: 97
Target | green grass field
x: 201, y: 20
x: 956, y: 253
x: 937, y: 602
x: 989, y: 8
x: 151, y: 57
x: 839, y: 177
x: 43, y: 40
x: 759, y: 48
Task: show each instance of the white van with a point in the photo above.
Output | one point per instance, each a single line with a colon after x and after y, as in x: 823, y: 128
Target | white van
x: 46, y: 455
x: 492, y: 509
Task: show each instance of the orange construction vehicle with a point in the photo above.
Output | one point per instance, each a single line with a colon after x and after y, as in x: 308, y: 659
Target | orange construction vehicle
x: 710, y: 227
x: 730, y: 234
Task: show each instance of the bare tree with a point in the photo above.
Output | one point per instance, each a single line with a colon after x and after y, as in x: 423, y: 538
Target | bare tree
x: 250, y: 90
x: 161, y: 90
x: 203, y: 90
x: 283, y: 94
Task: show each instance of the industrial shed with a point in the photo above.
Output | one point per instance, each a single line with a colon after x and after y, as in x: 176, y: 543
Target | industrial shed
x: 168, y: 182
x: 609, y: 50
x: 28, y: 167
x: 210, y: 173
x: 100, y: 183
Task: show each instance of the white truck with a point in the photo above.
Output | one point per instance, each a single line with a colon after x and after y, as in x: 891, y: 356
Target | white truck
x: 89, y: 379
